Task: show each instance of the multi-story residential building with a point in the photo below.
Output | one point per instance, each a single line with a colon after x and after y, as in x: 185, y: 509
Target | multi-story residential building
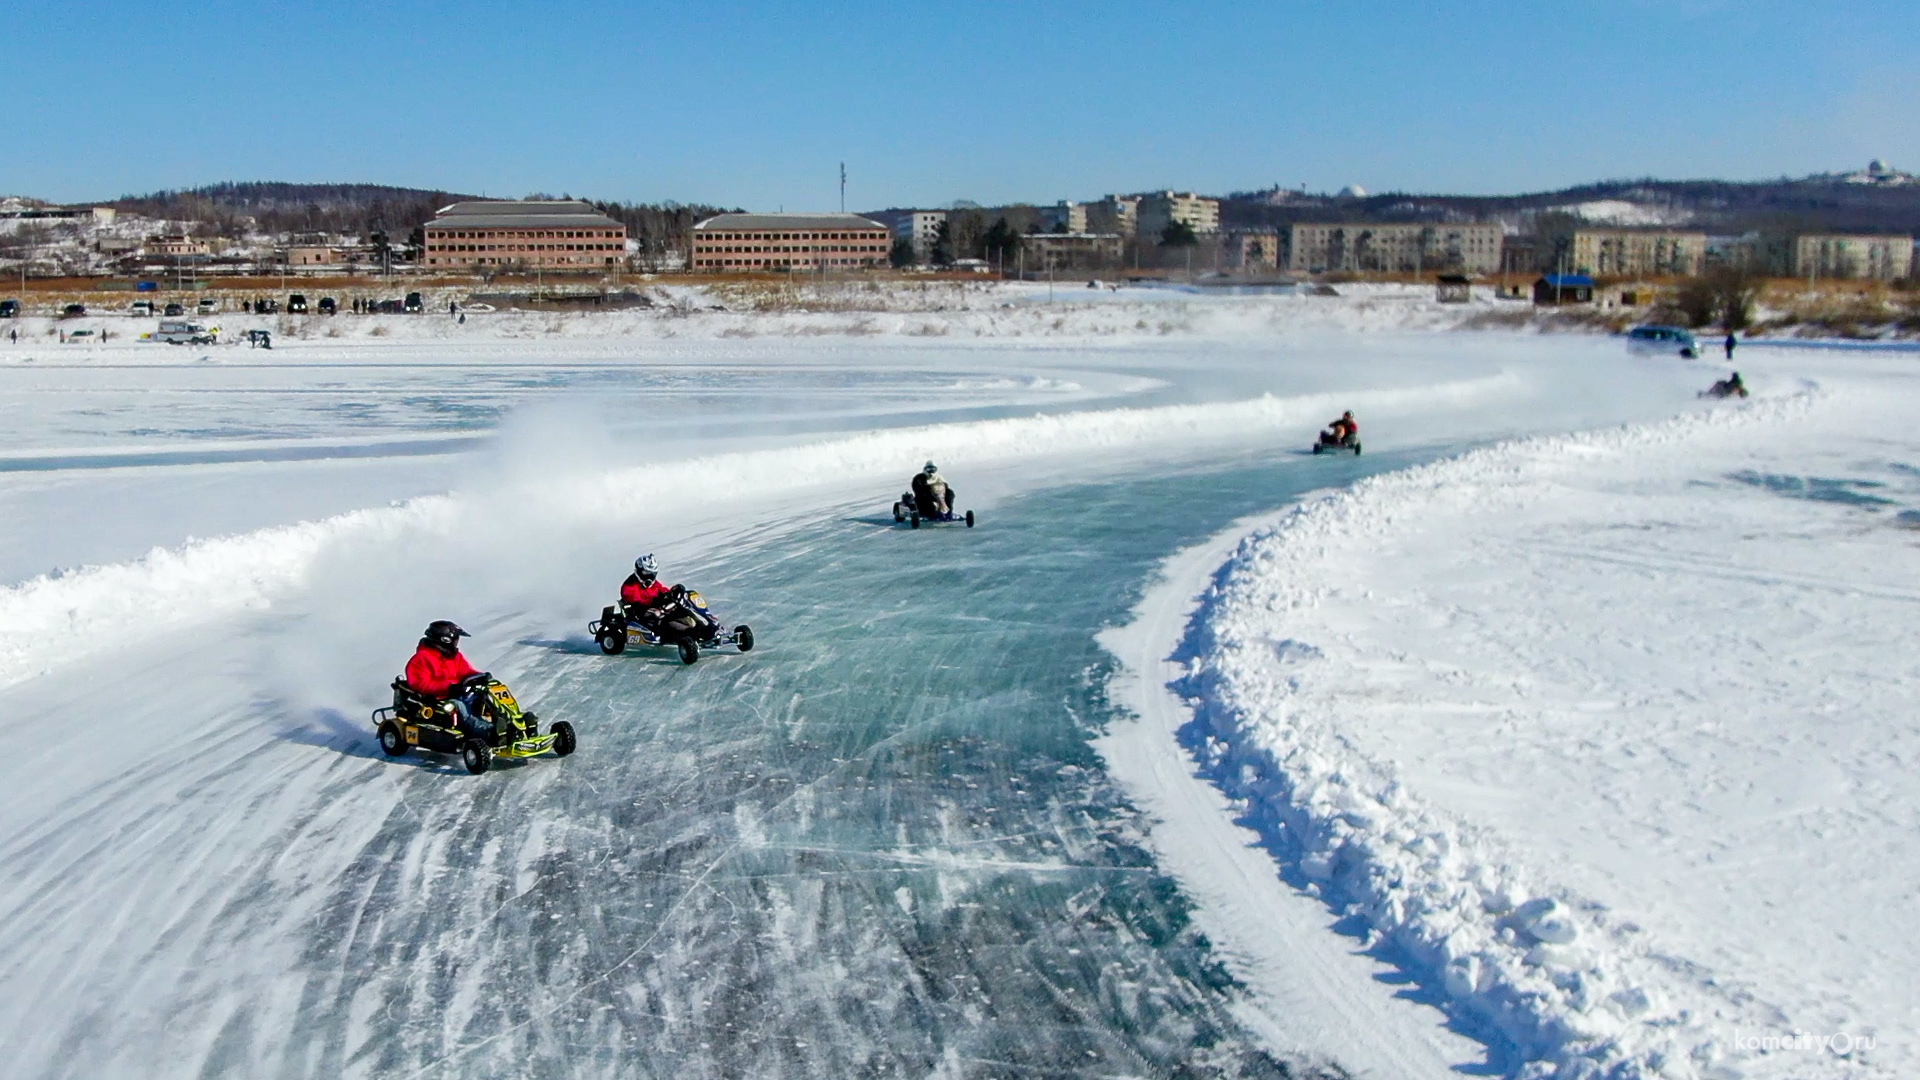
x: 174, y: 246
x: 1065, y: 217
x: 1413, y: 248
x: 1070, y: 251
x: 1118, y: 214
x: 1253, y: 250
x: 529, y: 234
x: 1638, y: 252
x: 921, y: 228
x: 1159, y: 210
x: 1842, y: 255
x: 739, y: 242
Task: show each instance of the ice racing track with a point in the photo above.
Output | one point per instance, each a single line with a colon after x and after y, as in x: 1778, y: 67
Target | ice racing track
x: 879, y: 845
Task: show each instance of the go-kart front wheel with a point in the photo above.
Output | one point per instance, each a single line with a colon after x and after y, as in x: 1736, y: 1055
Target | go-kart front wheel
x: 689, y: 652
x: 477, y: 757
x: 743, y: 638
x: 391, y: 741
x: 613, y: 643
x: 898, y: 517
x: 563, y: 740
x: 913, y: 520
x: 969, y: 519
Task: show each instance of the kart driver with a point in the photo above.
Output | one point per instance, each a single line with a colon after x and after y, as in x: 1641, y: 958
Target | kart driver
x: 438, y: 671
x: 1342, y: 431
x: 642, y: 592
x: 931, y: 494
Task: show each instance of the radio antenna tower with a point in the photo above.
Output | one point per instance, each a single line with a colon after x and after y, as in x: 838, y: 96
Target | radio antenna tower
x: 843, y: 187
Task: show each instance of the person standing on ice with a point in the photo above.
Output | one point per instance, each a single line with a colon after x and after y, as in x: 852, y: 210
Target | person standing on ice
x: 437, y: 670
x: 932, y: 495
x: 642, y: 591
x: 1730, y: 343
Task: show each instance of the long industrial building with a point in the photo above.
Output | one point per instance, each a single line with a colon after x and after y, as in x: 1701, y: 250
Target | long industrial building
x: 739, y: 242
x: 529, y: 234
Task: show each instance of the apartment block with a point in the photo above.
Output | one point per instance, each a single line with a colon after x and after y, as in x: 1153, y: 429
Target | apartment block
x: 1638, y: 252
x: 1860, y: 255
x: 1119, y: 214
x: 1253, y: 250
x: 1411, y: 248
x: 1065, y: 217
x: 1159, y: 210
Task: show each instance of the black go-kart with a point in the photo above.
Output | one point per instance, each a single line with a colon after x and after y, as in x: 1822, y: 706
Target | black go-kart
x: 417, y: 722
x: 908, y: 511
x: 683, y: 622
x: 1330, y: 445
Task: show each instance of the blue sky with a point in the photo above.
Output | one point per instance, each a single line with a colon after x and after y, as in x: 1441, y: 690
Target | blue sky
x: 755, y: 104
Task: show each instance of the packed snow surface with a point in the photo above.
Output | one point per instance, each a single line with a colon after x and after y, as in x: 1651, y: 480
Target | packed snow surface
x: 1606, y: 738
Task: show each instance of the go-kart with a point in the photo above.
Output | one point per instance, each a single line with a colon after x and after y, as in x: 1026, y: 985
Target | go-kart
x: 1725, y: 388
x: 908, y: 510
x: 417, y: 722
x: 683, y: 621
x: 1330, y: 445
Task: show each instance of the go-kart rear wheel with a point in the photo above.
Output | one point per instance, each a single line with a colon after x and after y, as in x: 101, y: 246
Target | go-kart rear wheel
x: 1356, y: 449
x: 477, y: 756
x: 913, y: 520
x: 391, y: 740
x: 898, y: 517
x: 613, y: 643
x: 689, y: 652
x: 743, y: 638
x: 969, y: 519
x: 563, y: 740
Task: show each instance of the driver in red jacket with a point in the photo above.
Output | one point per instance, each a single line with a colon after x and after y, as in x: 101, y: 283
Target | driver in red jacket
x: 642, y: 591
x: 437, y: 670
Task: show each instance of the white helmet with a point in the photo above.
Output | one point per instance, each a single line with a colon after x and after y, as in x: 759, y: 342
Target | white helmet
x: 930, y: 469
x: 646, y: 569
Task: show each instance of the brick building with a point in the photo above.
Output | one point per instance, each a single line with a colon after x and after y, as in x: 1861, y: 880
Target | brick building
x: 739, y: 242
x: 524, y: 234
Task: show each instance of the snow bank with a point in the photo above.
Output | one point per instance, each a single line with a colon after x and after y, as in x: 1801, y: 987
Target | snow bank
x: 1519, y: 959
x: 516, y: 518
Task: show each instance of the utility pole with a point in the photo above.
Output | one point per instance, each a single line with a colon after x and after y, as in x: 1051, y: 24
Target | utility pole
x: 843, y: 187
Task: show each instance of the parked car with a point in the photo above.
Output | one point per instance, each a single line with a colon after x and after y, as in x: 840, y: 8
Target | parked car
x: 297, y: 304
x: 9, y: 309
x: 327, y: 306
x: 173, y: 311
x: 141, y: 309
x: 73, y: 311
x: 266, y: 307
x: 1662, y: 341
x: 208, y: 305
x: 181, y: 332
x: 414, y: 304
x: 389, y: 307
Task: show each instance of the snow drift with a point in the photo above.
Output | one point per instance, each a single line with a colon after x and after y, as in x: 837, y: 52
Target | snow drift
x: 1517, y: 958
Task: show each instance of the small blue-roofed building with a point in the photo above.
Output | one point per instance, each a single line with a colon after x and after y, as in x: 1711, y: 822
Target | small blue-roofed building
x: 1563, y: 289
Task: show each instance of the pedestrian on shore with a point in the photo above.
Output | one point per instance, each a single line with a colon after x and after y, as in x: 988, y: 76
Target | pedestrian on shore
x: 1730, y: 343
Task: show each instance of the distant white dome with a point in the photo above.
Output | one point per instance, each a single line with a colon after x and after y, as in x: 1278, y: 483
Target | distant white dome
x: 1353, y: 191
x: 1879, y: 167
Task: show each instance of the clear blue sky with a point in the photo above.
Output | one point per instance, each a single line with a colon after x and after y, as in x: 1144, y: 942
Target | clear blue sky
x: 755, y: 104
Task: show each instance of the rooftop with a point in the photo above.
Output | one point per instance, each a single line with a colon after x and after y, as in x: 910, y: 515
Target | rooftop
x: 522, y: 214
x: 788, y: 222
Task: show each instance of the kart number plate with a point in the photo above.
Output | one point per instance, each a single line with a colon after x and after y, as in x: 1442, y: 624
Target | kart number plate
x: 413, y: 735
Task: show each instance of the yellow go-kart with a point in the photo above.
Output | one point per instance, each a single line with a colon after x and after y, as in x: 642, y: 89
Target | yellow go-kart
x: 417, y: 722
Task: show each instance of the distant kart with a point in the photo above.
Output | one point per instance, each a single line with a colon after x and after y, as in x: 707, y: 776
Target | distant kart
x: 1329, y: 445
x: 1725, y: 388
x: 907, y: 510
x: 684, y: 623
x: 417, y: 722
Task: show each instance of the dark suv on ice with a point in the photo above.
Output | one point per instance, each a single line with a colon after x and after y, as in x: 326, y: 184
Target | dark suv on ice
x: 9, y: 309
x: 297, y: 304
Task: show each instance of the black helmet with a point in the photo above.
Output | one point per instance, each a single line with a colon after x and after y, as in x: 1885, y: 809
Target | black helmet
x: 445, y: 636
x: 645, y: 569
